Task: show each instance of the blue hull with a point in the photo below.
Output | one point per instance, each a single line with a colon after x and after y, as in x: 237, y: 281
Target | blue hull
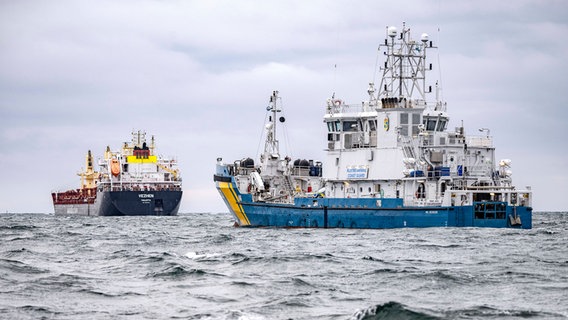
x: 139, y: 203
x: 270, y: 215
x: 368, y: 213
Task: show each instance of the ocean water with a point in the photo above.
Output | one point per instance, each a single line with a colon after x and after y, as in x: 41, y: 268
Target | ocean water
x: 198, y: 266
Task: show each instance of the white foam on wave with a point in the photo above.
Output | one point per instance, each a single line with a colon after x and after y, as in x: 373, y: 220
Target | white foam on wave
x: 196, y: 256
x: 251, y: 317
x: 191, y: 255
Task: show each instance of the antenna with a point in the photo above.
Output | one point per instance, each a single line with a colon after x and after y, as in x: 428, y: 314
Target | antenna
x: 404, y: 73
x: 334, y: 80
x: 439, y: 70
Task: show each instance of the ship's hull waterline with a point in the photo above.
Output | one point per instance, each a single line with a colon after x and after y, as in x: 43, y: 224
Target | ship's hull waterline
x: 126, y: 203
x: 369, y: 213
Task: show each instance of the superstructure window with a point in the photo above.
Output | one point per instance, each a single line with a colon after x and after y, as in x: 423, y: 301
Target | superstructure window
x: 373, y: 125
x: 430, y: 125
x: 415, y: 122
x: 409, y: 128
x: 441, y: 125
x: 350, y: 126
x: 404, y: 124
x: 333, y: 137
x: 333, y: 126
x: 415, y: 118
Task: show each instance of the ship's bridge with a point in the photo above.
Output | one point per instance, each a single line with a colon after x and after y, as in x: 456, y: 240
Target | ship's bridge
x: 434, y: 120
x: 382, y: 124
x: 350, y: 126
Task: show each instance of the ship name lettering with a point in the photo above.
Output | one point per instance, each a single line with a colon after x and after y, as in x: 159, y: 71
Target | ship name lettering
x: 357, y: 172
x: 146, y: 195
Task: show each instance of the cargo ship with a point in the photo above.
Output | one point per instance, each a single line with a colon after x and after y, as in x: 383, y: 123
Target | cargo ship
x: 131, y: 182
x: 391, y: 162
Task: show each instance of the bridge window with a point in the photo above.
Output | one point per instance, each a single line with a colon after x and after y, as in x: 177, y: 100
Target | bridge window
x: 441, y: 125
x: 350, y: 126
x: 373, y: 125
x: 430, y: 124
x: 333, y: 126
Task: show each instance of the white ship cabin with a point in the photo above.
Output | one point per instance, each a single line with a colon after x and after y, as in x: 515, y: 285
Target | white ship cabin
x: 396, y: 144
x: 136, y: 167
x: 398, y: 149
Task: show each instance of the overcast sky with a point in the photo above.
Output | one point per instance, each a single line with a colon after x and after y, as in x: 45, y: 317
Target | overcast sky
x: 80, y: 75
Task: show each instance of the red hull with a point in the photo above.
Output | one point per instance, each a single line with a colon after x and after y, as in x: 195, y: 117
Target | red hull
x: 78, y: 196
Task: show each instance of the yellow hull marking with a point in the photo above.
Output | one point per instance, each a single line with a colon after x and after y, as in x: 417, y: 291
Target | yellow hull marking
x: 231, y: 197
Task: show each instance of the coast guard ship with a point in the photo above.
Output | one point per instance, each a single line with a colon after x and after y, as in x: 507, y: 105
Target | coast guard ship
x: 391, y: 162
x: 132, y: 182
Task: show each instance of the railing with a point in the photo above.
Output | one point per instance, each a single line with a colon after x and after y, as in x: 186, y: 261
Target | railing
x: 146, y: 186
x: 77, y: 196
x: 479, y: 141
x: 337, y: 106
x: 344, y: 108
x: 307, y: 171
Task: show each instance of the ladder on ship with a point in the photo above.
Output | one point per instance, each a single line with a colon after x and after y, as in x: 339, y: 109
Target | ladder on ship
x: 408, y: 148
x: 288, y: 185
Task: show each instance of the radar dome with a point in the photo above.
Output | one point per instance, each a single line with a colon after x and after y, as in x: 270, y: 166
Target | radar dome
x: 424, y: 37
x: 391, y: 32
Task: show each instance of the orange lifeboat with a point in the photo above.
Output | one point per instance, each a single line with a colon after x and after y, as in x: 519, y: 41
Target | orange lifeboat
x: 114, y: 167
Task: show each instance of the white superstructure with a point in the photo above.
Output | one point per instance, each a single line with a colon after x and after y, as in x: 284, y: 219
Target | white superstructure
x: 396, y: 144
x: 137, y: 167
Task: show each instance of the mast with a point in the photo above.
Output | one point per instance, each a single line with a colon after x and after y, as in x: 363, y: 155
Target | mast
x: 138, y: 138
x: 404, y: 71
x: 271, y: 146
x: 270, y: 158
x: 89, y: 176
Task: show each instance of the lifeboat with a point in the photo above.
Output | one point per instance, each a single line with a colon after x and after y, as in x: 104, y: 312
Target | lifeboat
x: 114, y: 167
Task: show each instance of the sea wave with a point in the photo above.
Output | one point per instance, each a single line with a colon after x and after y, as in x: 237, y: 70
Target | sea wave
x: 201, y: 267
x: 392, y: 310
